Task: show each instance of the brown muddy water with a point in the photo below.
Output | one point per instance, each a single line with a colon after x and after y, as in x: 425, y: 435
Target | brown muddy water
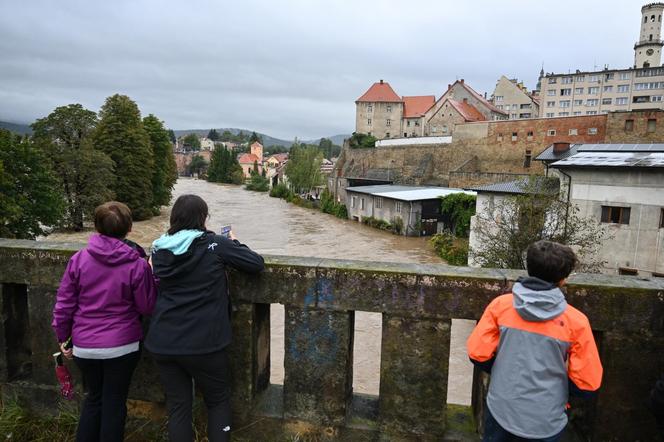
x: 273, y: 226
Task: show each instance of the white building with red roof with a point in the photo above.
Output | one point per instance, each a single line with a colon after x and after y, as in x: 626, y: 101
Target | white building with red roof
x: 381, y: 112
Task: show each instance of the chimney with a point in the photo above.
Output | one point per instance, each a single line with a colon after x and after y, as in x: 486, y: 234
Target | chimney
x: 485, y: 95
x: 449, y: 86
x: 381, y: 81
x: 559, y: 148
x: 461, y: 81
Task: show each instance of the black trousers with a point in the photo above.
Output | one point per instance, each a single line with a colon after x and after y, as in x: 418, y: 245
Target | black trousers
x: 211, y: 374
x: 105, y: 406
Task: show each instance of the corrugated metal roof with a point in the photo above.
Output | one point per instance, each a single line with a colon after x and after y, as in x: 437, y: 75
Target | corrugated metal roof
x: 549, y: 155
x: 407, y: 193
x: 613, y: 159
x: 520, y: 187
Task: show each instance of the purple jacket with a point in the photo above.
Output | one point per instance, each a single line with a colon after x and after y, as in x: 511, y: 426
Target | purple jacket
x: 106, y: 288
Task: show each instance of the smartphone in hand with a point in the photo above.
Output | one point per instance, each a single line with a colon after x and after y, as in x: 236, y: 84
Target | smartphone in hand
x: 226, y: 231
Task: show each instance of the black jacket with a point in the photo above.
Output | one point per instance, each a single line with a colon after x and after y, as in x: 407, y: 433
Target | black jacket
x: 192, y: 311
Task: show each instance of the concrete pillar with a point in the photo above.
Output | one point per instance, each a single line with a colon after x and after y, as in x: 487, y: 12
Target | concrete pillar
x: 413, y: 375
x: 318, y: 365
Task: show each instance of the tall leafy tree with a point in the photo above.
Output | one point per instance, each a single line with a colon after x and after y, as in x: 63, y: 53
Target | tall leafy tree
x: 224, y: 167
x: 121, y: 135
x: 29, y: 193
x: 255, y: 137
x: 213, y: 135
x: 303, y: 167
x: 165, y: 172
x: 191, y: 142
x: 84, y: 173
x: 171, y: 136
x: 197, y: 165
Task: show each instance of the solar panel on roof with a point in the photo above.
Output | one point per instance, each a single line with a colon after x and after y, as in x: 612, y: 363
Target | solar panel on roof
x: 652, y: 147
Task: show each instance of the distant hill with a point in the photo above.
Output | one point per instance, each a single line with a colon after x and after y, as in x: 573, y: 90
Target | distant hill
x: 18, y: 128
x: 267, y: 140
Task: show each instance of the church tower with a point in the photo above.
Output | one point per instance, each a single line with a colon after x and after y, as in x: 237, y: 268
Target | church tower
x: 648, y: 50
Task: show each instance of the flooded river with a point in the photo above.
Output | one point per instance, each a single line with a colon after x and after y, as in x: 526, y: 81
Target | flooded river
x: 273, y: 226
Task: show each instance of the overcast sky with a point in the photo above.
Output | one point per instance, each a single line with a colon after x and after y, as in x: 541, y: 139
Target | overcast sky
x: 289, y: 68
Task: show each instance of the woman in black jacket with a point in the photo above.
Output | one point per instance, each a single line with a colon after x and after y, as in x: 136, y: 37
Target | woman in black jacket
x: 190, y: 327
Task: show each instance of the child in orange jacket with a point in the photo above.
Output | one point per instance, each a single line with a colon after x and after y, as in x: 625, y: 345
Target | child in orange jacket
x: 538, y: 350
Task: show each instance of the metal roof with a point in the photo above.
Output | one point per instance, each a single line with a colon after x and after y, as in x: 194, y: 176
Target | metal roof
x: 549, y: 155
x: 613, y: 159
x: 407, y: 193
x: 520, y: 187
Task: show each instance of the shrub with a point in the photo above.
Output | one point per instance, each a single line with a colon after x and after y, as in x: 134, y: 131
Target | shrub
x: 377, y: 223
x: 452, y: 249
x: 328, y: 205
x: 258, y: 183
x: 397, y: 224
x: 361, y: 141
x: 460, y: 207
x: 281, y: 191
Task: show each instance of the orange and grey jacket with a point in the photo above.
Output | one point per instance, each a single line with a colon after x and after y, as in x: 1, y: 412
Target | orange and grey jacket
x: 537, y: 348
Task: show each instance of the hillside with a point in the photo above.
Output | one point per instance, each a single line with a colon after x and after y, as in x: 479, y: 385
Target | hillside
x: 267, y: 140
x: 18, y: 128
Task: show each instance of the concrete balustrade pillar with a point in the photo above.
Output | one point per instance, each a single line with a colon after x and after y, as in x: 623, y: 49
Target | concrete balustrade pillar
x: 318, y: 365
x: 413, y: 375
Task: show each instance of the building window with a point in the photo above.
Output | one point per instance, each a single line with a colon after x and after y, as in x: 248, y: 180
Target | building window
x: 606, y: 100
x: 552, y: 80
x: 655, y: 98
x: 389, y: 108
x: 591, y: 112
x: 551, y: 132
x: 593, y: 78
x: 526, y: 106
x: 593, y: 90
x: 647, y: 86
x: 515, y: 136
x: 580, y: 78
x: 615, y: 215
x: 361, y: 203
x: 624, y: 76
x: 369, y: 121
x: 397, y: 206
x: 550, y: 104
x: 578, y: 102
x: 389, y: 123
x: 641, y: 99
x: 609, y: 76
x: 573, y: 132
x: 387, y: 135
x: 550, y: 115
x: 408, y: 123
x: 527, y: 159
x: 592, y: 131
x: 444, y: 129
x: 551, y: 92
x: 621, y: 101
x: 629, y: 125
x: 530, y: 135
x: 565, y: 92
x: 525, y: 115
x: 563, y: 114
x: 499, y: 137
x: 652, y: 125
x: 499, y: 98
x: 370, y: 108
x: 576, y: 113
x: 592, y: 102
x: 578, y: 90
x: 565, y: 103
x: 513, y: 116
x: 352, y: 202
x: 417, y: 123
x: 379, y: 202
x: 608, y: 88
x: 566, y: 80
x: 627, y: 271
x: 623, y: 88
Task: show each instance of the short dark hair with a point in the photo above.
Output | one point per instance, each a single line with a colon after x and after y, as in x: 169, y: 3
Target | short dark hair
x: 550, y: 261
x: 113, y: 219
x: 189, y: 213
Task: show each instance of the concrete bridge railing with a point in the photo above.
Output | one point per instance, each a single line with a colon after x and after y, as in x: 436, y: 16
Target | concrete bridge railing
x: 320, y: 296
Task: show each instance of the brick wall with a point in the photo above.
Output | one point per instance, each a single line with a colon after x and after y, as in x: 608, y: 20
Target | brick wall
x: 617, y: 130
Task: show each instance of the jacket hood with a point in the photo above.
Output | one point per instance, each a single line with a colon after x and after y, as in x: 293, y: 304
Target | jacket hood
x: 537, y: 300
x: 178, y: 243
x: 173, y: 255
x: 111, y: 251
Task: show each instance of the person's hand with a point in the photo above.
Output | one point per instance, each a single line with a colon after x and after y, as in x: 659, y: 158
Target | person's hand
x: 231, y: 236
x: 67, y: 353
x: 150, y: 261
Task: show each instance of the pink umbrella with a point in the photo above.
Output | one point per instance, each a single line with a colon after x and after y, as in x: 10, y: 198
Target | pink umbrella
x: 63, y: 375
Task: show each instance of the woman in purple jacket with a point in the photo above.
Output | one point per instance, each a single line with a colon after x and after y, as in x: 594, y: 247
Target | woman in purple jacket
x: 105, y: 289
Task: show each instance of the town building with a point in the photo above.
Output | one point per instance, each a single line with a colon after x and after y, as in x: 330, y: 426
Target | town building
x: 252, y: 161
x: 621, y: 186
x: 381, y: 112
x: 416, y: 208
x: 606, y: 90
x: 513, y: 97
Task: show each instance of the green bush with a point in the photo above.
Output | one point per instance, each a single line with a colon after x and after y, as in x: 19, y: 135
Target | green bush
x: 460, y: 207
x: 328, y: 205
x: 397, y: 224
x: 281, y: 191
x: 361, y: 141
x: 258, y: 183
x: 452, y: 249
x: 377, y: 223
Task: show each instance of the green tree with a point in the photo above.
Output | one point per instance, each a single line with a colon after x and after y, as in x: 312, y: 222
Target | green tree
x: 254, y: 138
x: 255, y: 170
x: 303, y: 168
x: 198, y: 165
x: 191, y: 142
x: 258, y: 183
x: 460, y: 207
x: 29, y: 192
x: 171, y: 136
x: 121, y: 135
x: 165, y: 172
x: 226, y: 136
x: 213, y: 135
x: 83, y: 172
x: 540, y: 212
x: 362, y: 141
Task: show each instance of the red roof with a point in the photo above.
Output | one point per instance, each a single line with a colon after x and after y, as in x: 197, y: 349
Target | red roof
x: 280, y: 157
x: 247, y: 158
x: 480, y: 97
x: 417, y: 106
x: 380, y: 92
x: 467, y: 110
